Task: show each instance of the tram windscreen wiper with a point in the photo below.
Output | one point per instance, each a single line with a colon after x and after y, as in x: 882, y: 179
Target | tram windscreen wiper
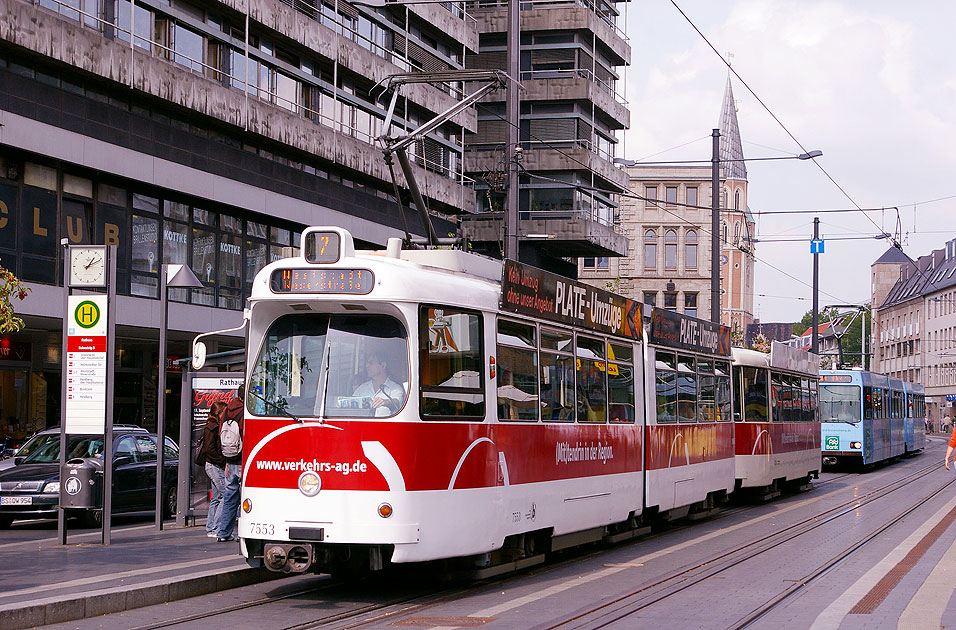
x: 275, y: 405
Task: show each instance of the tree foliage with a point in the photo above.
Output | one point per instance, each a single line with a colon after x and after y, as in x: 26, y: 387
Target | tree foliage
x: 11, y: 288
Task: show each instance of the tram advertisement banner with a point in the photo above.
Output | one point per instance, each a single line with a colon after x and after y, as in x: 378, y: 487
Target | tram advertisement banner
x: 532, y: 291
x: 688, y: 333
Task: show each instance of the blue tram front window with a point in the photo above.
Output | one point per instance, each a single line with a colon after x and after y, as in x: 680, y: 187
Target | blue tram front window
x: 840, y: 403
x: 333, y: 365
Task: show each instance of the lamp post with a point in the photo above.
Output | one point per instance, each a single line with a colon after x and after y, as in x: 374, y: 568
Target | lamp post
x: 715, y: 229
x: 178, y: 276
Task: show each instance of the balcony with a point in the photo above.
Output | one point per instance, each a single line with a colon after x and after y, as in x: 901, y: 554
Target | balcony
x: 562, y: 233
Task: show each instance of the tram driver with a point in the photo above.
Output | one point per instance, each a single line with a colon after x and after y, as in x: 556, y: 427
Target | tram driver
x: 385, y: 395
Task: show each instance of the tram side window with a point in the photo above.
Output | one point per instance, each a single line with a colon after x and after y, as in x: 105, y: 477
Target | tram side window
x: 814, y: 402
x: 620, y: 382
x: 666, y: 387
x: 806, y: 413
x: 450, y: 346
x: 557, y: 375
x: 706, y: 399
x: 517, y: 371
x: 755, y: 395
x: 776, y: 396
x: 872, y: 402
x: 738, y: 394
x: 722, y: 391
x: 686, y: 389
x: 591, y: 383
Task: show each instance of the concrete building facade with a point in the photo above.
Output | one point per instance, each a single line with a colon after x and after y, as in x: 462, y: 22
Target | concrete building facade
x: 571, y: 110
x: 914, y: 324
x: 203, y: 132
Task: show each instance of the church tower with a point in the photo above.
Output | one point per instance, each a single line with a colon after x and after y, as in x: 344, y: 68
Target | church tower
x: 737, y: 226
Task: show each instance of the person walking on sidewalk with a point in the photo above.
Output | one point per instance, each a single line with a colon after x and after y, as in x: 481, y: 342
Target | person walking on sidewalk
x: 232, y: 451
x: 211, y: 458
x: 949, y: 449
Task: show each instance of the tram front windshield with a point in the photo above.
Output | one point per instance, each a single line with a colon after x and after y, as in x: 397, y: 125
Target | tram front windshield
x: 840, y: 403
x: 316, y: 364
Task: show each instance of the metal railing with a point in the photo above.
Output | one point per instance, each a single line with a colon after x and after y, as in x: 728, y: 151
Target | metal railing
x: 477, y: 5
x: 583, y: 73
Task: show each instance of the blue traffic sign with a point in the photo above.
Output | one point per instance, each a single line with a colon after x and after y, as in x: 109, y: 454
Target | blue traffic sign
x: 816, y: 246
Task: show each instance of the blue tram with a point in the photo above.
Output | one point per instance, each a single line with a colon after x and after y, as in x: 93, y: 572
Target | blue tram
x: 914, y: 427
x: 862, y: 417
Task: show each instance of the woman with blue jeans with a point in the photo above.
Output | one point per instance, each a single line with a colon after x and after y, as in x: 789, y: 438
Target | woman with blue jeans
x: 229, y: 513
x: 215, y: 466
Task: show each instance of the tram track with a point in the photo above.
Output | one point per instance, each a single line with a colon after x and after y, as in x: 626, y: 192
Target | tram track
x: 422, y: 600
x: 623, y: 606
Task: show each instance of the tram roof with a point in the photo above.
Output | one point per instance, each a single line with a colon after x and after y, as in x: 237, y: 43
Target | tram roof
x: 450, y: 277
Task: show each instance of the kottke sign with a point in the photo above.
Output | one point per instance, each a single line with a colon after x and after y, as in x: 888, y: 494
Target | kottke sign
x: 86, y: 364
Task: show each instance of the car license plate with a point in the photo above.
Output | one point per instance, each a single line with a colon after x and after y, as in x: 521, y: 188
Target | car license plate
x: 16, y: 500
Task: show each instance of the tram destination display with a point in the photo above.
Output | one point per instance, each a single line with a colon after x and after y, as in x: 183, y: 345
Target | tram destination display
x: 355, y: 281
x: 688, y: 333
x: 532, y: 291
x: 322, y: 247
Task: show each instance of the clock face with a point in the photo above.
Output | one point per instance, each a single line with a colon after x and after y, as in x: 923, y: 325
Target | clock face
x: 723, y: 260
x: 88, y: 266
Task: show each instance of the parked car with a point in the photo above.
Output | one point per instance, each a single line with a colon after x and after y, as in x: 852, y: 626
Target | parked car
x: 34, y: 441
x: 31, y: 488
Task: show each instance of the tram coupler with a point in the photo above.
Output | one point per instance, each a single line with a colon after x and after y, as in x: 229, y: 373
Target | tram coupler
x: 287, y: 557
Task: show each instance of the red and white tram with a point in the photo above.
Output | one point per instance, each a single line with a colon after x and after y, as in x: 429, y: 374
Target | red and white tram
x: 414, y: 405
x: 777, y: 428
x: 690, y: 433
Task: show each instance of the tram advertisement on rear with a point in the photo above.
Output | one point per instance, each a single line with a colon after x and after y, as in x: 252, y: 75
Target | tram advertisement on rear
x: 532, y: 291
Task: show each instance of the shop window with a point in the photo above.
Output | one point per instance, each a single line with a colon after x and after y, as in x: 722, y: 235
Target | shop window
x: 650, y: 298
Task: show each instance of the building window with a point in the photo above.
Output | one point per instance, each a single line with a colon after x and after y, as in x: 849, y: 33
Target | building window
x: 601, y: 262
x: 670, y: 300
x: 671, y: 192
x: 724, y: 231
x: 650, y: 298
x: 690, y: 250
x: 670, y: 249
x: 737, y: 200
x: 650, y: 193
x: 650, y: 249
x: 737, y: 232
x: 690, y: 304
x: 692, y: 196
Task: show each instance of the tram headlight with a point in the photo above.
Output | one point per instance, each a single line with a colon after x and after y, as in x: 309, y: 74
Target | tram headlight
x: 309, y: 483
x: 855, y: 445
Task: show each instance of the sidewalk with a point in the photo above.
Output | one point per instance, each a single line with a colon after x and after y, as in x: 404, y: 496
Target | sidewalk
x: 42, y: 582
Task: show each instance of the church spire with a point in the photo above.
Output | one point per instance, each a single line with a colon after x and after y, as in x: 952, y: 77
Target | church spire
x: 731, y: 150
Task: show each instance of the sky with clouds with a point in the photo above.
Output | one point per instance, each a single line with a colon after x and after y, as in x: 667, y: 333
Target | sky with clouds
x: 871, y: 84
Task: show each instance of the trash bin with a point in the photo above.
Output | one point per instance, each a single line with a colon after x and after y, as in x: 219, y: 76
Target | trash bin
x: 81, y: 484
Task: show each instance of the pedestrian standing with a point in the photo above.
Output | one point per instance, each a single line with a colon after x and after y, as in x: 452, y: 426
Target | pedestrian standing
x: 212, y: 460
x: 949, y: 449
x: 230, y: 503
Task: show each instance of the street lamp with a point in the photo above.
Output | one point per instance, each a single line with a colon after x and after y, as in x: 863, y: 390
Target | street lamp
x: 177, y: 276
